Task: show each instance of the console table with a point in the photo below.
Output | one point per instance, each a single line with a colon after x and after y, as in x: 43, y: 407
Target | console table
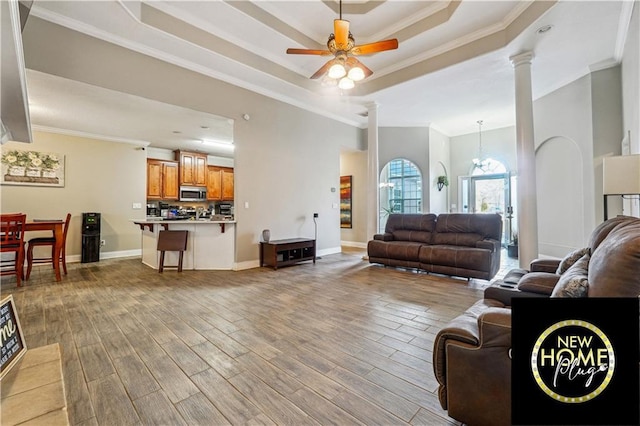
x: 287, y: 252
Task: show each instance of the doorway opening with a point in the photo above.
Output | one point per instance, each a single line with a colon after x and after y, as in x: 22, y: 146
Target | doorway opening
x: 490, y: 188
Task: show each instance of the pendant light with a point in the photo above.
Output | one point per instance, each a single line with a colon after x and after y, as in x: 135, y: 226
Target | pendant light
x: 479, y: 161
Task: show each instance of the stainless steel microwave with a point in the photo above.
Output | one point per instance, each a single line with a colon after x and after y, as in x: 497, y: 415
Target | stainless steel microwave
x: 193, y: 193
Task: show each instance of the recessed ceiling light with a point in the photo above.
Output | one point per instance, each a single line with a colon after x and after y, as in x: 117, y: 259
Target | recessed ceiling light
x: 177, y: 132
x: 204, y: 127
x: 544, y: 29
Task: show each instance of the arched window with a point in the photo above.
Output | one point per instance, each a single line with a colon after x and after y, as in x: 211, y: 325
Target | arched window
x: 400, y: 189
x: 488, y: 167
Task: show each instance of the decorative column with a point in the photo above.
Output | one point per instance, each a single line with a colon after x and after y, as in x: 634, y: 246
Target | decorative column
x: 526, y: 159
x: 373, y: 174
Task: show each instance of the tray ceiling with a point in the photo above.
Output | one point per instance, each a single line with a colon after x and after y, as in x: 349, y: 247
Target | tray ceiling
x: 450, y: 69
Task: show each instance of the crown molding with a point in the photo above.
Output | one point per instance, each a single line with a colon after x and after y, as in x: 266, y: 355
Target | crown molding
x: 67, y: 132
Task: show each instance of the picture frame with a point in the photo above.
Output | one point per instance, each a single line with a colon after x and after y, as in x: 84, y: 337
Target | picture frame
x: 345, y: 201
x: 13, y: 345
x: 32, y: 168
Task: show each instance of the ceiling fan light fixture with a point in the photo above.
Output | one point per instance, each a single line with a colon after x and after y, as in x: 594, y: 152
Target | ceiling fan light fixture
x: 356, y: 74
x: 337, y: 71
x: 346, y: 83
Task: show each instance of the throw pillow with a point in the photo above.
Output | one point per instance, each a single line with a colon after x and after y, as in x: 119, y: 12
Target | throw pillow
x: 570, y: 259
x: 574, y: 282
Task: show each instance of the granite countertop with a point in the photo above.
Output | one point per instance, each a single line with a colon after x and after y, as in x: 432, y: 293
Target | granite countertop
x: 184, y: 221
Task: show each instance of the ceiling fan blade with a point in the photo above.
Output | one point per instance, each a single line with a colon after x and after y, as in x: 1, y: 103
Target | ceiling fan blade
x: 352, y: 62
x: 322, y: 70
x: 341, y: 33
x: 379, y: 46
x: 308, y: 52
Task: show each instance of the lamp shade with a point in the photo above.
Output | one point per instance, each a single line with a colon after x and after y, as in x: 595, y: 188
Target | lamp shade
x: 621, y: 175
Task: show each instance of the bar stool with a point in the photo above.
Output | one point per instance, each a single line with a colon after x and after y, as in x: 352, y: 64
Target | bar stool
x: 171, y: 241
x: 12, y: 241
x: 51, y: 242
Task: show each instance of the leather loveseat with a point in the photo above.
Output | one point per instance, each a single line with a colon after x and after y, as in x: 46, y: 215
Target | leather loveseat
x: 471, y: 358
x: 457, y: 244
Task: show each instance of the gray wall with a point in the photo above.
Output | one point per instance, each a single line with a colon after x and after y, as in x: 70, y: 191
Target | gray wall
x: 575, y: 126
x: 411, y: 143
x: 439, y: 165
x: 499, y: 144
x: 286, y: 159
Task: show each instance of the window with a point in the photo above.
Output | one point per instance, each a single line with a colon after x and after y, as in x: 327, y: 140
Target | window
x: 400, y: 189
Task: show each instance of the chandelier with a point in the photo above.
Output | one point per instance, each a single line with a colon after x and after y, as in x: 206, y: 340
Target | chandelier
x: 480, y: 162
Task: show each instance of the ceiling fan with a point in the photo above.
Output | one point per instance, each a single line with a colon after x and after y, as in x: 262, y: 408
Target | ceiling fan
x: 344, y: 67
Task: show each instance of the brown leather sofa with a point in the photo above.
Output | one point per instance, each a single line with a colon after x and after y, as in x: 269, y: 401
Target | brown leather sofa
x: 471, y: 354
x: 457, y: 244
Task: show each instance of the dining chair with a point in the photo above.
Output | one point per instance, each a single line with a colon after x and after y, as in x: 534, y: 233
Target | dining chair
x: 48, y: 241
x: 12, y: 241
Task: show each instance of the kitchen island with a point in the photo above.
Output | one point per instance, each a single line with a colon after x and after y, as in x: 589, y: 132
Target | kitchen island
x: 210, y: 243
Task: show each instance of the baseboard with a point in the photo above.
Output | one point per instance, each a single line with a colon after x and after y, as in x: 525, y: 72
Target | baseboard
x: 238, y: 266
x: 108, y: 255
x: 249, y: 264
x: 356, y: 244
x: 332, y: 250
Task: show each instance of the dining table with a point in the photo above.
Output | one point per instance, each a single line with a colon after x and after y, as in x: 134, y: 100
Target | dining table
x: 57, y: 227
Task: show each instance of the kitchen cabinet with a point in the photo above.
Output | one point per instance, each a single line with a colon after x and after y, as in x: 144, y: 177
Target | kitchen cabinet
x: 220, y: 183
x: 193, y: 168
x: 162, y: 179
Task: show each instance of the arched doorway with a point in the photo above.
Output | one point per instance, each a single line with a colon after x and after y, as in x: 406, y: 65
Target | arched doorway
x: 400, y: 189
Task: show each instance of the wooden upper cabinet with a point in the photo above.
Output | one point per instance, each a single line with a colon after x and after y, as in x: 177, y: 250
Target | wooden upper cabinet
x: 154, y: 179
x: 193, y: 168
x: 220, y: 183
x: 227, y: 184
x: 214, y: 183
x: 162, y: 180
x: 171, y: 185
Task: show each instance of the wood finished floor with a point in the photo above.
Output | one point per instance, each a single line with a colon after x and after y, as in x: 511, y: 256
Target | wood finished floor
x: 339, y: 342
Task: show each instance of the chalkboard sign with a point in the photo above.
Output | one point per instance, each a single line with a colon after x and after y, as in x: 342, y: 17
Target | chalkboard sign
x: 12, y: 345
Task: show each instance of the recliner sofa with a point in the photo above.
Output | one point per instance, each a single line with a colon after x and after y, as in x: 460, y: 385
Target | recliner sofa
x: 471, y: 354
x: 456, y: 244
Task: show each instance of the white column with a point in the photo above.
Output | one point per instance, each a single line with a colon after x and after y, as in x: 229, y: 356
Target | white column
x: 526, y: 158
x: 373, y: 174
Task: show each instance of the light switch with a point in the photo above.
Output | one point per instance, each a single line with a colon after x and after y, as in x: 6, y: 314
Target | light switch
x: 334, y: 205
x: 137, y: 206
x: 246, y: 204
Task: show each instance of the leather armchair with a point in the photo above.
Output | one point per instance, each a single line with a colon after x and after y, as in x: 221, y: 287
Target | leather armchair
x: 471, y: 358
x: 471, y: 362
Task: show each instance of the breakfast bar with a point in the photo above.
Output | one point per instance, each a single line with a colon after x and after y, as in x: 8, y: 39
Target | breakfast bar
x: 210, y: 243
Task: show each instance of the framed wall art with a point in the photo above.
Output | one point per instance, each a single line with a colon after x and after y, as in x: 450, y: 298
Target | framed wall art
x: 32, y: 168
x: 345, y: 201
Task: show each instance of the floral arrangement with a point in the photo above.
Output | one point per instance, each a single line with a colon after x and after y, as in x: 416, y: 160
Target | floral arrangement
x: 40, y: 160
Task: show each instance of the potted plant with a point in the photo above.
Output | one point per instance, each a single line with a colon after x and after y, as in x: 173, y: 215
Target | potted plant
x: 442, y: 182
x: 512, y: 248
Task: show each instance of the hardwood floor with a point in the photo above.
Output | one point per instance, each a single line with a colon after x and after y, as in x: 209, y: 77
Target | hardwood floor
x: 338, y: 342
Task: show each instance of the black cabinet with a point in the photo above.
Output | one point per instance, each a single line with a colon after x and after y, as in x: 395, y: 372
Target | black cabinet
x: 90, y: 237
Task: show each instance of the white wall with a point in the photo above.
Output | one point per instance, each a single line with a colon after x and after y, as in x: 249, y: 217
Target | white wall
x: 168, y: 154
x: 631, y: 93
